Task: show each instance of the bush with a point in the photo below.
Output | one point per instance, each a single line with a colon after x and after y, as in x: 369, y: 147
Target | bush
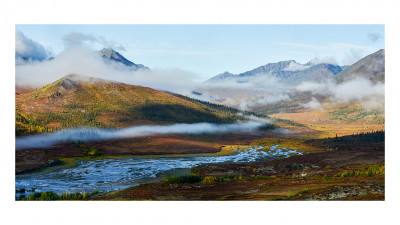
x: 92, y: 152
x: 209, y: 180
x: 368, y: 171
x: 295, y: 166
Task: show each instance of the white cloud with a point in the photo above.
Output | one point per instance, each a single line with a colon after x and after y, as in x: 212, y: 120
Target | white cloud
x: 326, y: 59
x: 296, y: 67
x: 76, y: 39
x: 355, y: 89
x: 313, y: 104
x: 28, y: 49
x: 358, y: 88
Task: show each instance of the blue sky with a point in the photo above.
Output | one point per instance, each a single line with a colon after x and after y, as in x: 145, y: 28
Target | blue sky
x: 208, y: 50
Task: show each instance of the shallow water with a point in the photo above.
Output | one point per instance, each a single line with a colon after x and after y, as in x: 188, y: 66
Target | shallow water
x: 114, y: 174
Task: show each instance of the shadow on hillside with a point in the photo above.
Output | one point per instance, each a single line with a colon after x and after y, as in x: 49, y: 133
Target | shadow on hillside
x: 181, y: 114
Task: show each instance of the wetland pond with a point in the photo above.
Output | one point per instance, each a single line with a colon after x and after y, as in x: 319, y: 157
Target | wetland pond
x: 112, y: 174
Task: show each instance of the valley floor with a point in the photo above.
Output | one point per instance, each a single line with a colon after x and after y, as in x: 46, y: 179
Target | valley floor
x: 340, y: 175
x: 330, y: 169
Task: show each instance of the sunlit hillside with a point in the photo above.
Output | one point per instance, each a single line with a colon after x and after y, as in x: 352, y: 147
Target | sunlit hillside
x: 84, y: 101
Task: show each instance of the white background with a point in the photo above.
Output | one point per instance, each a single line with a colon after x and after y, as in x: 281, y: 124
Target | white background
x: 198, y: 12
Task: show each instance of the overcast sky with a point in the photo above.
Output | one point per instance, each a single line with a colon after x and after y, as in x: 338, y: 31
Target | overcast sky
x: 207, y: 50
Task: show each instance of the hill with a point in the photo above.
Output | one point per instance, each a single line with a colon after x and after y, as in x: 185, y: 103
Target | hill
x: 86, y: 101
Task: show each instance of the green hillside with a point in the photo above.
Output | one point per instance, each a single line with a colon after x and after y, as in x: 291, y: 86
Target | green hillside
x: 85, y: 101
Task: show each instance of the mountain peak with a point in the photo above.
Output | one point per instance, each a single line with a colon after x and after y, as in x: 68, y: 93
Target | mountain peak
x: 110, y: 54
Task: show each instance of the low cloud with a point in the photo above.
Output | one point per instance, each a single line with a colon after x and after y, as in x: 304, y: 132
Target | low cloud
x: 93, y: 134
x: 28, y: 49
x: 246, y: 92
x: 247, y: 104
x: 313, y: 104
x: 358, y: 89
x: 355, y: 89
x: 265, y: 89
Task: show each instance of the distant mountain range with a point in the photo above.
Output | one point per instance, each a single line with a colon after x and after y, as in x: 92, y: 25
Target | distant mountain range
x: 76, y: 100
x: 234, y: 89
x: 290, y: 72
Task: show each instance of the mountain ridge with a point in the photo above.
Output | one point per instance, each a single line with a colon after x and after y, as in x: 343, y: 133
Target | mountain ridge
x: 286, y: 71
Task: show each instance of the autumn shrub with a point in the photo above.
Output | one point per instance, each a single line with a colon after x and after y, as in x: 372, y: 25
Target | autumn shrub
x: 92, y: 152
x: 369, y: 171
x: 209, y: 180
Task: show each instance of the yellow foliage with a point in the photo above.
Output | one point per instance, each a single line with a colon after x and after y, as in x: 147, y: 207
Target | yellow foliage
x: 209, y: 180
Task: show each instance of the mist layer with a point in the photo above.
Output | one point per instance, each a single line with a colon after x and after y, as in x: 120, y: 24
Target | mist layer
x: 94, y: 134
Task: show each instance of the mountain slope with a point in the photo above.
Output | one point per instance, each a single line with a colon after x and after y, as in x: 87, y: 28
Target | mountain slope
x: 371, y: 67
x: 278, y: 69
x: 316, y: 73
x: 274, y: 68
x: 85, y: 101
x: 111, y: 55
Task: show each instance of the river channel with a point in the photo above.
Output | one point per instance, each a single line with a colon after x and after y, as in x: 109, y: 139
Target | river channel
x: 112, y: 174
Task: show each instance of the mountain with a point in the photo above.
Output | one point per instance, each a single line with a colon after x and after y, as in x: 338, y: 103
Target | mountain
x: 371, y: 67
x: 315, y: 73
x: 290, y: 72
x: 274, y: 68
x: 277, y: 69
x: 86, y: 101
x: 222, y: 76
x: 111, y: 55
